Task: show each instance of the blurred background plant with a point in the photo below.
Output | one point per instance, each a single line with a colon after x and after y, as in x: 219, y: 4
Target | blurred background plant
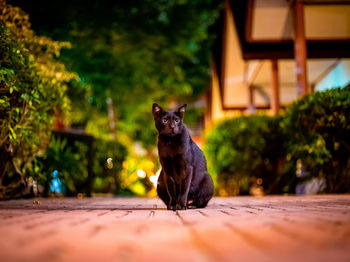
x: 261, y: 154
x: 108, y: 164
x: 120, y: 58
x: 247, y: 156
x: 32, y: 88
x: 63, y: 161
x: 67, y: 162
x: 129, y: 54
x: 317, y: 132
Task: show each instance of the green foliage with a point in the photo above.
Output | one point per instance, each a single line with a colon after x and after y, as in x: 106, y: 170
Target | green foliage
x: 244, y: 150
x: 132, y: 52
x: 128, y: 54
x: 108, y: 164
x: 32, y: 87
x: 70, y: 162
x: 314, y: 129
x: 318, y: 132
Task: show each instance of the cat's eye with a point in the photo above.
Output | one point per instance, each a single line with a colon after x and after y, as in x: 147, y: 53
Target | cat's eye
x: 164, y: 120
x: 177, y: 121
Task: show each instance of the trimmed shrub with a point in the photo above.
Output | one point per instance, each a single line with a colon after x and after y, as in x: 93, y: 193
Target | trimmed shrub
x: 317, y: 130
x: 314, y: 132
x: 247, y: 152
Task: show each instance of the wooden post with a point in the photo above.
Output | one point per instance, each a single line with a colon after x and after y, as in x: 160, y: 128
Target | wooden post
x: 275, y: 96
x: 251, y: 106
x: 208, y: 108
x: 312, y: 88
x: 300, y: 52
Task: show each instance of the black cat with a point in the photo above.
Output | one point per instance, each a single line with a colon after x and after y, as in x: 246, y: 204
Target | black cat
x: 184, y: 181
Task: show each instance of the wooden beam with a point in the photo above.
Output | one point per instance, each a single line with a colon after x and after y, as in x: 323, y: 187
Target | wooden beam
x: 326, y: 2
x: 300, y: 48
x: 249, y: 20
x: 251, y: 71
x: 275, y: 96
x: 283, y: 48
x: 243, y: 108
x: 251, y: 106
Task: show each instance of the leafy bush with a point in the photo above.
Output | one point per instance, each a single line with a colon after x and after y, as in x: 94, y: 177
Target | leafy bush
x: 32, y: 87
x: 318, y: 132
x: 314, y: 131
x: 247, y: 152
x: 17, y: 79
x: 108, y: 164
x: 70, y: 161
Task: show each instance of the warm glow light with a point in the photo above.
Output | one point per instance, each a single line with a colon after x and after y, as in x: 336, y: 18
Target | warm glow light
x: 141, y: 173
x: 154, y: 178
x: 109, y: 163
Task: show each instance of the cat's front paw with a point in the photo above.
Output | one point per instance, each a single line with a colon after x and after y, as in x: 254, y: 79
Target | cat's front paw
x: 181, y: 206
x: 171, y: 207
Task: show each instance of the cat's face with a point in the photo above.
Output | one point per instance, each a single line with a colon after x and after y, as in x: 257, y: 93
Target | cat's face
x: 168, y: 123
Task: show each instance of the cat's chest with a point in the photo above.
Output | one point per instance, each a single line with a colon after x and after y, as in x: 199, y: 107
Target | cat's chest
x: 171, y: 151
x: 171, y: 148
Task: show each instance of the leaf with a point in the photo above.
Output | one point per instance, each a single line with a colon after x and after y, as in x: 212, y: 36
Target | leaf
x: 12, y: 132
x: 25, y: 96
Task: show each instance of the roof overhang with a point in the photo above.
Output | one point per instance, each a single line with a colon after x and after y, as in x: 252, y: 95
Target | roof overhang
x: 251, y: 33
x: 265, y: 28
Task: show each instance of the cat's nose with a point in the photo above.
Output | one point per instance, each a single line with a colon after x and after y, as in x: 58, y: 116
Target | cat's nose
x: 172, y: 125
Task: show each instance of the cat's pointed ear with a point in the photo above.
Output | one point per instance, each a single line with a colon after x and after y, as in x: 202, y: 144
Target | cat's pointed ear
x: 156, y: 109
x: 181, y: 110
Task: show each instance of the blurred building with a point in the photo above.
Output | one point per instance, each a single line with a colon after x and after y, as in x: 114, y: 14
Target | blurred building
x: 270, y: 52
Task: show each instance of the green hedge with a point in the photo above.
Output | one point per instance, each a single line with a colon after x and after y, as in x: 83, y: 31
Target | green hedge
x: 247, y: 151
x: 315, y: 130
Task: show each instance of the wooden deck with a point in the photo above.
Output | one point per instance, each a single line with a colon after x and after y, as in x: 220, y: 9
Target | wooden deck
x: 308, y: 228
